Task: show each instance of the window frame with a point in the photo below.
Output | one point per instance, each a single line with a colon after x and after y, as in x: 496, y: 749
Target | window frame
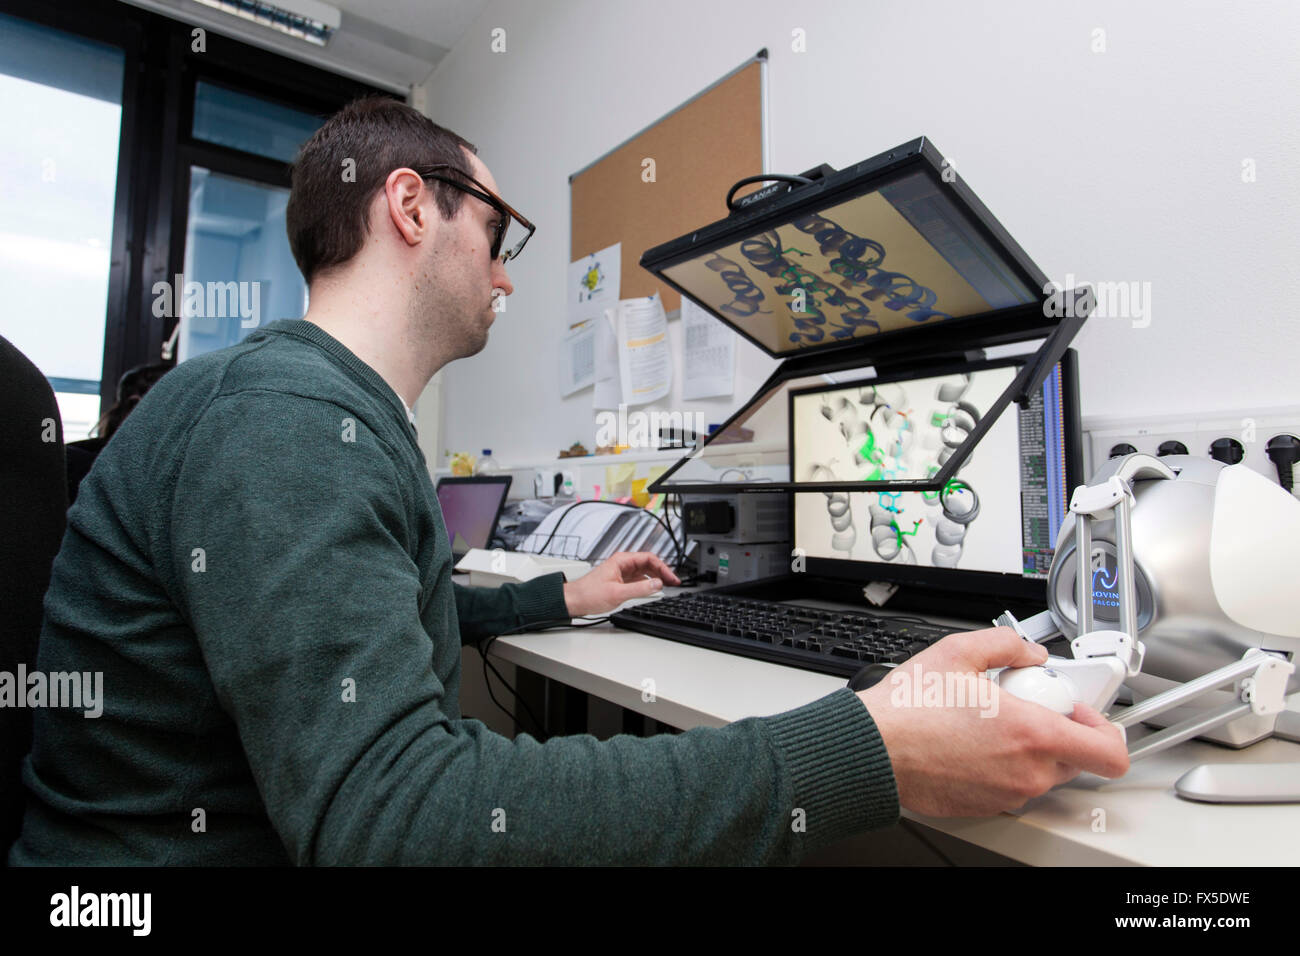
x: 156, y: 149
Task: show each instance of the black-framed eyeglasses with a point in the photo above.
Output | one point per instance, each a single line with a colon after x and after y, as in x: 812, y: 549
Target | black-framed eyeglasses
x: 477, y: 189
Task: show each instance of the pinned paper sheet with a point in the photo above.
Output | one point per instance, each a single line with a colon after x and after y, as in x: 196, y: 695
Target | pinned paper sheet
x: 645, y: 366
x: 578, y: 357
x: 609, y: 390
x: 708, y: 354
x: 592, y: 287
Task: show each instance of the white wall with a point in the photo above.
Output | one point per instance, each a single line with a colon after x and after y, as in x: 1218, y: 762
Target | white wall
x: 1116, y: 166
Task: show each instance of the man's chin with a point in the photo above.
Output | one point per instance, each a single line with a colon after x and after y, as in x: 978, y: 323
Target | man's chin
x: 479, y: 342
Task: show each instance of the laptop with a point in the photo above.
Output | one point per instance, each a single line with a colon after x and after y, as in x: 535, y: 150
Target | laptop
x: 471, y: 508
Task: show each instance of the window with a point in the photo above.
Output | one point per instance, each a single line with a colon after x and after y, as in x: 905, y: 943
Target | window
x: 60, y: 126
x: 250, y: 123
x: 236, y: 248
x: 237, y: 251
x: 129, y: 158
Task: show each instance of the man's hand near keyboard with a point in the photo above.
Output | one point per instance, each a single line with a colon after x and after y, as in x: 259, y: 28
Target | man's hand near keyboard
x: 620, y: 577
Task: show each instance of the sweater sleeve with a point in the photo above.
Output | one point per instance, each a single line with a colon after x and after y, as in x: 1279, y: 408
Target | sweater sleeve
x: 484, y: 611
x: 292, y: 570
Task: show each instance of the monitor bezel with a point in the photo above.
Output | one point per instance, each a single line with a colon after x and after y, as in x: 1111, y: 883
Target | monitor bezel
x: 1013, y: 587
x: 862, y: 178
x: 955, y: 343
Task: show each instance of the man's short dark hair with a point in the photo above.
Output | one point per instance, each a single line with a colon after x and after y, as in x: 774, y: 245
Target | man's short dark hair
x: 345, y: 162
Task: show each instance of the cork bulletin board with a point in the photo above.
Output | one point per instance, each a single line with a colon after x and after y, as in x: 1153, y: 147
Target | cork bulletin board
x: 699, y: 151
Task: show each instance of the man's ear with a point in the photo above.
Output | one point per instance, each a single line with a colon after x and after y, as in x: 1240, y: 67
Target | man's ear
x: 406, y: 195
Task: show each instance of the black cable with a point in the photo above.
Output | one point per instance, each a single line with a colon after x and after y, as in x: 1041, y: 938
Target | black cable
x: 484, y: 643
x: 681, y: 548
x: 559, y: 521
x: 696, y: 577
x: 482, y: 652
x: 666, y: 526
x: 1284, y: 451
x: 596, y: 501
x: 514, y: 720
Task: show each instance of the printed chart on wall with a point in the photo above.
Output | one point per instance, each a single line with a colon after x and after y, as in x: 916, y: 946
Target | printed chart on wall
x: 708, y: 354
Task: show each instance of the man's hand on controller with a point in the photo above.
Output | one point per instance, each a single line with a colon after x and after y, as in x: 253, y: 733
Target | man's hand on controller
x: 618, y: 578
x: 950, y: 761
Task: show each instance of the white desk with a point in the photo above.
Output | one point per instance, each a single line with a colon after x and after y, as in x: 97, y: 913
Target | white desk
x: 1145, y: 823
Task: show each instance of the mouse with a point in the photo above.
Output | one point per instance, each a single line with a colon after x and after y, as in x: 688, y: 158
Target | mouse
x: 869, y: 676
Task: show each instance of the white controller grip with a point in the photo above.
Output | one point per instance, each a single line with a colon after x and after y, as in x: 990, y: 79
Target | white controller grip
x: 1061, y: 682
x: 1040, y: 685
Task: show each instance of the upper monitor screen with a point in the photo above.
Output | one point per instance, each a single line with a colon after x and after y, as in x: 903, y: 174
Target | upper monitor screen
x: 896, y: 256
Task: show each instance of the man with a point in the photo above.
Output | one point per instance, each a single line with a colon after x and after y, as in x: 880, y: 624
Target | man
x: 258, y: 565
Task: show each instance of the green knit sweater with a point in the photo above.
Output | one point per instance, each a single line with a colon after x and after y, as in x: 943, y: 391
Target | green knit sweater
x: 258, y: 566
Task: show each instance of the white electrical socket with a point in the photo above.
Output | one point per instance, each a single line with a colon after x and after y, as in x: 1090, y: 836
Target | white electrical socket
x: 1251, y: 427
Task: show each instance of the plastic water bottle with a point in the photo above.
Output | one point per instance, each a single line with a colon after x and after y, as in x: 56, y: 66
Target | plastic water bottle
x: 487, y: 465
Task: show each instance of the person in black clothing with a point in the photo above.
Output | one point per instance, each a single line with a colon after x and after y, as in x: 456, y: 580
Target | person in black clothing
x: 33, y: 509
x: 132, y: 387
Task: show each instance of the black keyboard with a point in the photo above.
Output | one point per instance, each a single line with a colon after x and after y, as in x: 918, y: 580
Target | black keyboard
x: 832, y: 642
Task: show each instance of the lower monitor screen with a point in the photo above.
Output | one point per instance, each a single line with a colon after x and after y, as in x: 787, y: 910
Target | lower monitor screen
x: 999, y: 513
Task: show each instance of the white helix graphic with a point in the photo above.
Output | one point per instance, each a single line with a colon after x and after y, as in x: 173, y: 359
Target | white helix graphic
x: 837, y: 506
x: 958, y: 501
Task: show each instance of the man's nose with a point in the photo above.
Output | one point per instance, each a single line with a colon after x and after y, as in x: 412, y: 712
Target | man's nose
x: 500, y: 280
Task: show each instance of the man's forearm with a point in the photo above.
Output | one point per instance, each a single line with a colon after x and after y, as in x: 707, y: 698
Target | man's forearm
x: 762, y: 790
x: 486, y: 611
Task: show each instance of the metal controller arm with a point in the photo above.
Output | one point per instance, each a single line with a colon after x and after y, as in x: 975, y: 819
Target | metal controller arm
x: 1263, y: 677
